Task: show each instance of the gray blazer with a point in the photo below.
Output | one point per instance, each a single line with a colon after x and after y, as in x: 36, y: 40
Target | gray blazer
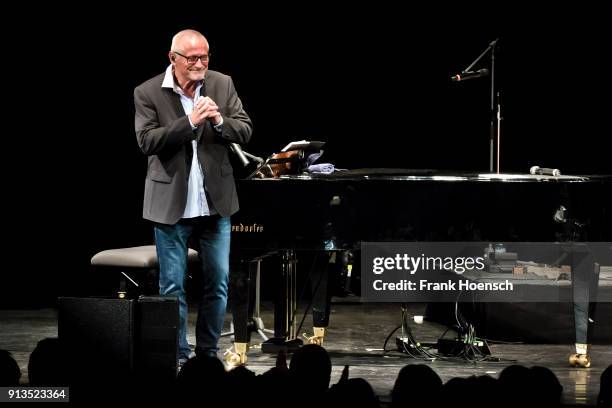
x: 164, y: 135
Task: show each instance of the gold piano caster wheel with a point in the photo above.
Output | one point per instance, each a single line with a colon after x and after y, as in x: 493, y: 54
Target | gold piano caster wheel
x: 236, y: 358
x: 317, y: 338
x: 313, y: 339
x: 580, y: 360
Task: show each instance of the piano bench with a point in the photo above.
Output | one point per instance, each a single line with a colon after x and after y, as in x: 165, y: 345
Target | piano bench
x: 130, y: 261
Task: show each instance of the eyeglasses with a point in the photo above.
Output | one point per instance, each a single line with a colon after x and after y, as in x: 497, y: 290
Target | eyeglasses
x: 194, y: 58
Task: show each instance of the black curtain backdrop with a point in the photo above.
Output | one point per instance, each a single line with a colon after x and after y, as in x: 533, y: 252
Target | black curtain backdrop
x: 374, y: 83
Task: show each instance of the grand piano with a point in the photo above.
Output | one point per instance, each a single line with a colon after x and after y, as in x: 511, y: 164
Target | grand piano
x: 283, y: 214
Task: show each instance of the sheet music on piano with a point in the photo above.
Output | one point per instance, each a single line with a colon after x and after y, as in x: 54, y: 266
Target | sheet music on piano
x: 290, y: 160
x: 303, y: 145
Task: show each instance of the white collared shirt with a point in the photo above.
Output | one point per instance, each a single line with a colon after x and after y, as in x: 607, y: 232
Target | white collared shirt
x: 197, y: 202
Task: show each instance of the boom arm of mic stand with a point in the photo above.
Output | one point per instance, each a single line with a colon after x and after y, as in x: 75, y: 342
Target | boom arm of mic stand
x: 491, y: 45
x: 492, y: 125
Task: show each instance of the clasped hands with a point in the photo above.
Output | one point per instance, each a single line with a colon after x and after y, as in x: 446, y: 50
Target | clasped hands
x: 205, y: 109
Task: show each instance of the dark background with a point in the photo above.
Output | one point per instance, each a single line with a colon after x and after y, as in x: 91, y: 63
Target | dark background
x: 372, y: 82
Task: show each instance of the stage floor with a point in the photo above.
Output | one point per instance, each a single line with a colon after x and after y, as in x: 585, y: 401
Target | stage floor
x: 355, y: 337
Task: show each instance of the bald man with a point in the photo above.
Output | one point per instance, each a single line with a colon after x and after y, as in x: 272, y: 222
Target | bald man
x: 185, y: 119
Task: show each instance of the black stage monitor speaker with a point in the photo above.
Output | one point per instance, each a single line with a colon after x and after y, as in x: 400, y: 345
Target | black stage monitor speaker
x: 157, y: 336
x: 98, y: 332
x: 124, y: 336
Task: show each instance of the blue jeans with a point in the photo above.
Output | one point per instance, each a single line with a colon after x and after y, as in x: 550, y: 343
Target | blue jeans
x: 212, y: 235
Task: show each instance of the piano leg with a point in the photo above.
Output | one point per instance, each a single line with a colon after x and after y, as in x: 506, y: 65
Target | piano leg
x: 240, y: 298
x: 321, y: 298
x: 585, y: 278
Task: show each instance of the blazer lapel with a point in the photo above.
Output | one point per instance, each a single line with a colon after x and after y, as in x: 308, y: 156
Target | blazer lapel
x: 200, y: 130
x: 175, y: 102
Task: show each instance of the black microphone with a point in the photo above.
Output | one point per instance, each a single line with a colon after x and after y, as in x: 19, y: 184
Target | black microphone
x: 237, y: 150
x: 470, y: 75
x: 234, y: 147
x: 537, y: 170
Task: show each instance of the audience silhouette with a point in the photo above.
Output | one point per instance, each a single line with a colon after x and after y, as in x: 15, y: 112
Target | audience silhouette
x: 416, y: 385
x: 46, y: 366
x: 354, y: 392
x: 310, y: 370
x: 305, y: 382
x: 9, y: 370
x: 605, y: 388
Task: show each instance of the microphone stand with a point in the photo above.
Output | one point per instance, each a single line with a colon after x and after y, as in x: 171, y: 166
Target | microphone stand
x: 257, y: 159
x: 498, y: 124
x: 495, y: 115
x: 244, y: 156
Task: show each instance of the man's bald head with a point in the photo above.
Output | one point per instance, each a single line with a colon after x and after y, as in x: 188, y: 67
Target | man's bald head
x: 187, y: 39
